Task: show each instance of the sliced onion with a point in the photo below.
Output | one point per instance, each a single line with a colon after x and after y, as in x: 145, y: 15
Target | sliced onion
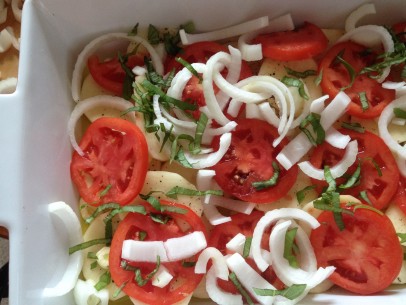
x: 214, y: 216
x: 95, y: 44
x: 228, y: 32
x: 185, y: 246
x: 216, y: 294
x: 143, y: 251
x: 230, y: 204
x: 181, y: 78
x: 237, y: 243
x: 269, y: 219
x: 393, y: 85
x: 162, y: 277
x: 385, y: 118
x: 17, y: 11
x: 350, y: 156
x: 68, y: 217
x: 218, y: 260
x: 249, y: 278
x: 90, y: 103
x: 210, y: 133
x: 204, y: 179
x: 336, y: 138
x: 8, y: 85
x: 84, y: 290
x: 252, y: 111
x: 356, y: 15
x: 372, y: 35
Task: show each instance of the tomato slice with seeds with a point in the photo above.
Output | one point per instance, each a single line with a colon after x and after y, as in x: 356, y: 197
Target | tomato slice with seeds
x: 379, y: 171
x: 109, y: 74
x: 184, y: 281
x: 244, y: 224
x: 336, y: 77
x: 302, y: 43
x: 366, y: 253
x: 114, y: 164
x: 249, y: 159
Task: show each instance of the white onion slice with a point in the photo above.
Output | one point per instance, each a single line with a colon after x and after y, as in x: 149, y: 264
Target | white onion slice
x: 350, y: 156
x: 204, y: 179
x: 228, y: 32
x: 162, y: 277
x: 214, y: 216
x: 8, y: 85
x: 185, y: 246
x: 218, y: 260
x: 372, y: 35
x: 210, y: 133
x: 249, y: 278
x: 269, y: 219
x: 95, y: 44
x: 85, y: 291
x: 336, y: 138
x: 216, y: 294
x: 143, y: 251
x: 230, y: 204
x: 385, y: 118
x: 92, y: 102
x: 236, y: 244
x: 17, y: 11
x: 356, y: 15
x: 393, y: 85
x: 68, y: 217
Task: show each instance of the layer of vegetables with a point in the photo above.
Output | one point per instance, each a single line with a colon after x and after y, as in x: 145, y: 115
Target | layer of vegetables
x: 255, y: 171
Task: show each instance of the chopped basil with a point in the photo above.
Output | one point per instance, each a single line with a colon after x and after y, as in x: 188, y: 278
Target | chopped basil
x: 260, y: 185
x: 142, y: 235
x: 153, y: 201
x: 375, y: 164
x: 118, y: 291
x: 104, y: 280
x: 294, y: 82
x: 160, y: 218
x: 290, y: 293
x: 105, y: 191
x: 142, y: 281
x: 200, y: 127
x: 364, y: 196
x: 91, y: 255
x: 153, y: 35
x: 134, y: 30
x: 177, y: 190
x: 189, y: 27
x: 100, y: 209
x: 93, y: 265
x: 124, y: 209
x: 357, y: 206
x: 247, y: 247
x: 353, y: 180
x: 300, y: 74
x: 233, y: 278
x: 314, y: 120
x: 188, y: 66
x: 300, y: 195
x: 88, y: 244
x: 349, y: 68
x: 288, y: 252
x: 399, y: 113
x: 180, y: 157
x: 402, y: 237
x: 353, y: 126
x: 364, y: 101
x: 329, y: 179
x: 319, y: 78
x: 188, y: 264
x: 128, y: 78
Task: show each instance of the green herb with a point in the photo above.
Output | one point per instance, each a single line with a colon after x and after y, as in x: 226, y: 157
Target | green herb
x: 153, y: 201
x: 188, y: 27
x: 233, y: 278
x: 319, y: 78
x: 300, y: 74
x: 142, y: 281
x: 399, y: 113
x: 294, y: 82
x: 108, y: 230
x: 195, y: 146
x: 93, y: 265
x: 260, y: 185
x: 290, y: 293
x: 188, y: 66
x: 329, y: 179
x: 247, y: 247
x: 353, y: 126
x: 177, y: 190
x: 153, y: 35
x: 188, y: 264
x: 375, y: 164
x: 160, y: 218
x: 314, y: 120
x: 91, y: 255
x: 364, y: 196
x: 364, y: 101
x: 128, y: 78
x: 134, y: 30
x: 357, y: 206
x: 300, y: 195
x: 104, y: 280
x: 288, y: 249
x: 181, y: 158
x: 349, y: 68
x: 124, y: 209
x: 402, y: 237
x: 142, y: 235
x: 101, y: 209
x: 105, y: 191
x: 118, y: 291
x: 353, y: 180
x: 88, y: 244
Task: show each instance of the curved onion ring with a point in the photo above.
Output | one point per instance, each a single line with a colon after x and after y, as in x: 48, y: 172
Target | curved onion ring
x: 217, y: 294
x: 356, y: 15
x: 218, y: 260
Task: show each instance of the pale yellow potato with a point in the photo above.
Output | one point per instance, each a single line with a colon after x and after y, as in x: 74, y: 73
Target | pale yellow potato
x: 397, y: 217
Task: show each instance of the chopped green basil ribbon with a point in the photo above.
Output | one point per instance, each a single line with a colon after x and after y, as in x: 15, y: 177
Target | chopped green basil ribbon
x: 260, y: 185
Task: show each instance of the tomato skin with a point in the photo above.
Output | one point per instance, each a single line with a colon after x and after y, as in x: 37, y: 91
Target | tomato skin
x: 129, y: 228
x: 115, y: 160
x: 371, y: 149
x: 367, y: 253
x: 249, y: 159
x: 336, y: 76
x: 302, y: 43
x: 109, y: 74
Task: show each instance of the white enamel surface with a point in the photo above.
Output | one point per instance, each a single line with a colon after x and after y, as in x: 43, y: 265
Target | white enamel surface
x: 35, y: 162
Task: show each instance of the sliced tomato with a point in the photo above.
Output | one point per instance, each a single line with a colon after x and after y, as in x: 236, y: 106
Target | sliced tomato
x: 249, y: 159
x: 400, y: 197
x: 367, y: 253
x: 244, y: 224
x: 184, y: 281
x: 109, y: 74
x: 114, y: 164
x: 379, y: 171
x: 302, y: 43
x: 336, y: 77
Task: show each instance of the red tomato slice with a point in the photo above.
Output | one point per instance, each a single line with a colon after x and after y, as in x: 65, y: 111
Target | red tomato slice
x: 249, y: 159
x: 109, y: 74
x: 185, y: 279
x: 367, y: 253
x: 114, y: 164
x: 372, y: 152
x: 336, y: 76
x: 244, y: 224
x: 302, y: 43
x: 400, y: 197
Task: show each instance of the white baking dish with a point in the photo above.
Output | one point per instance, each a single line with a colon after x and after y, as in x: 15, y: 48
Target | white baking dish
x: 35, y: 150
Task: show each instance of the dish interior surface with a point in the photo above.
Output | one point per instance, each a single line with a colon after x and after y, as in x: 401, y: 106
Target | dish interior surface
x: 37, y: 155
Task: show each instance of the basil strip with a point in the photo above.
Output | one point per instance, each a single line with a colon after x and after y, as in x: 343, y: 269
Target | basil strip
x: 200, y: 127
x: 177, y: 190
x: 294, y: 82
x: 399, y: 113
x: 319, y: 78
x: 128, y: 78
x: 300, y: 74
x: 402, y: 237
x: 233, y: 278
x: 349, y: 68
x: 142, y: 281
x: 88, y: 244
x: 314, y: 120
x: 100, y: 209
x: 300, y: 195
x: 375, y: 164
x: 288, y: 249
x: 104, y: 280
x: 353, y: 126
x: 118, y: 291
x: 153, y: 35
x: 353, y: 180
x: 187, y: 264
x: 329, y: 179
x: 291, y: 293
x: 105, y: 191
x: 188, y: 66
x: 364, y: 196
x: 364, y: 101
x: 124, y: 209
x: 247, y: 247
x: 134, y: 30
x: 260, y: 185
x: 160, y: 218
x: 153, y: 201
x: 181, y: 158
x: 357, y: 206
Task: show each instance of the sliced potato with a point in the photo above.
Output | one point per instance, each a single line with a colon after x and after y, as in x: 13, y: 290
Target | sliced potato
x: 397, y: 217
